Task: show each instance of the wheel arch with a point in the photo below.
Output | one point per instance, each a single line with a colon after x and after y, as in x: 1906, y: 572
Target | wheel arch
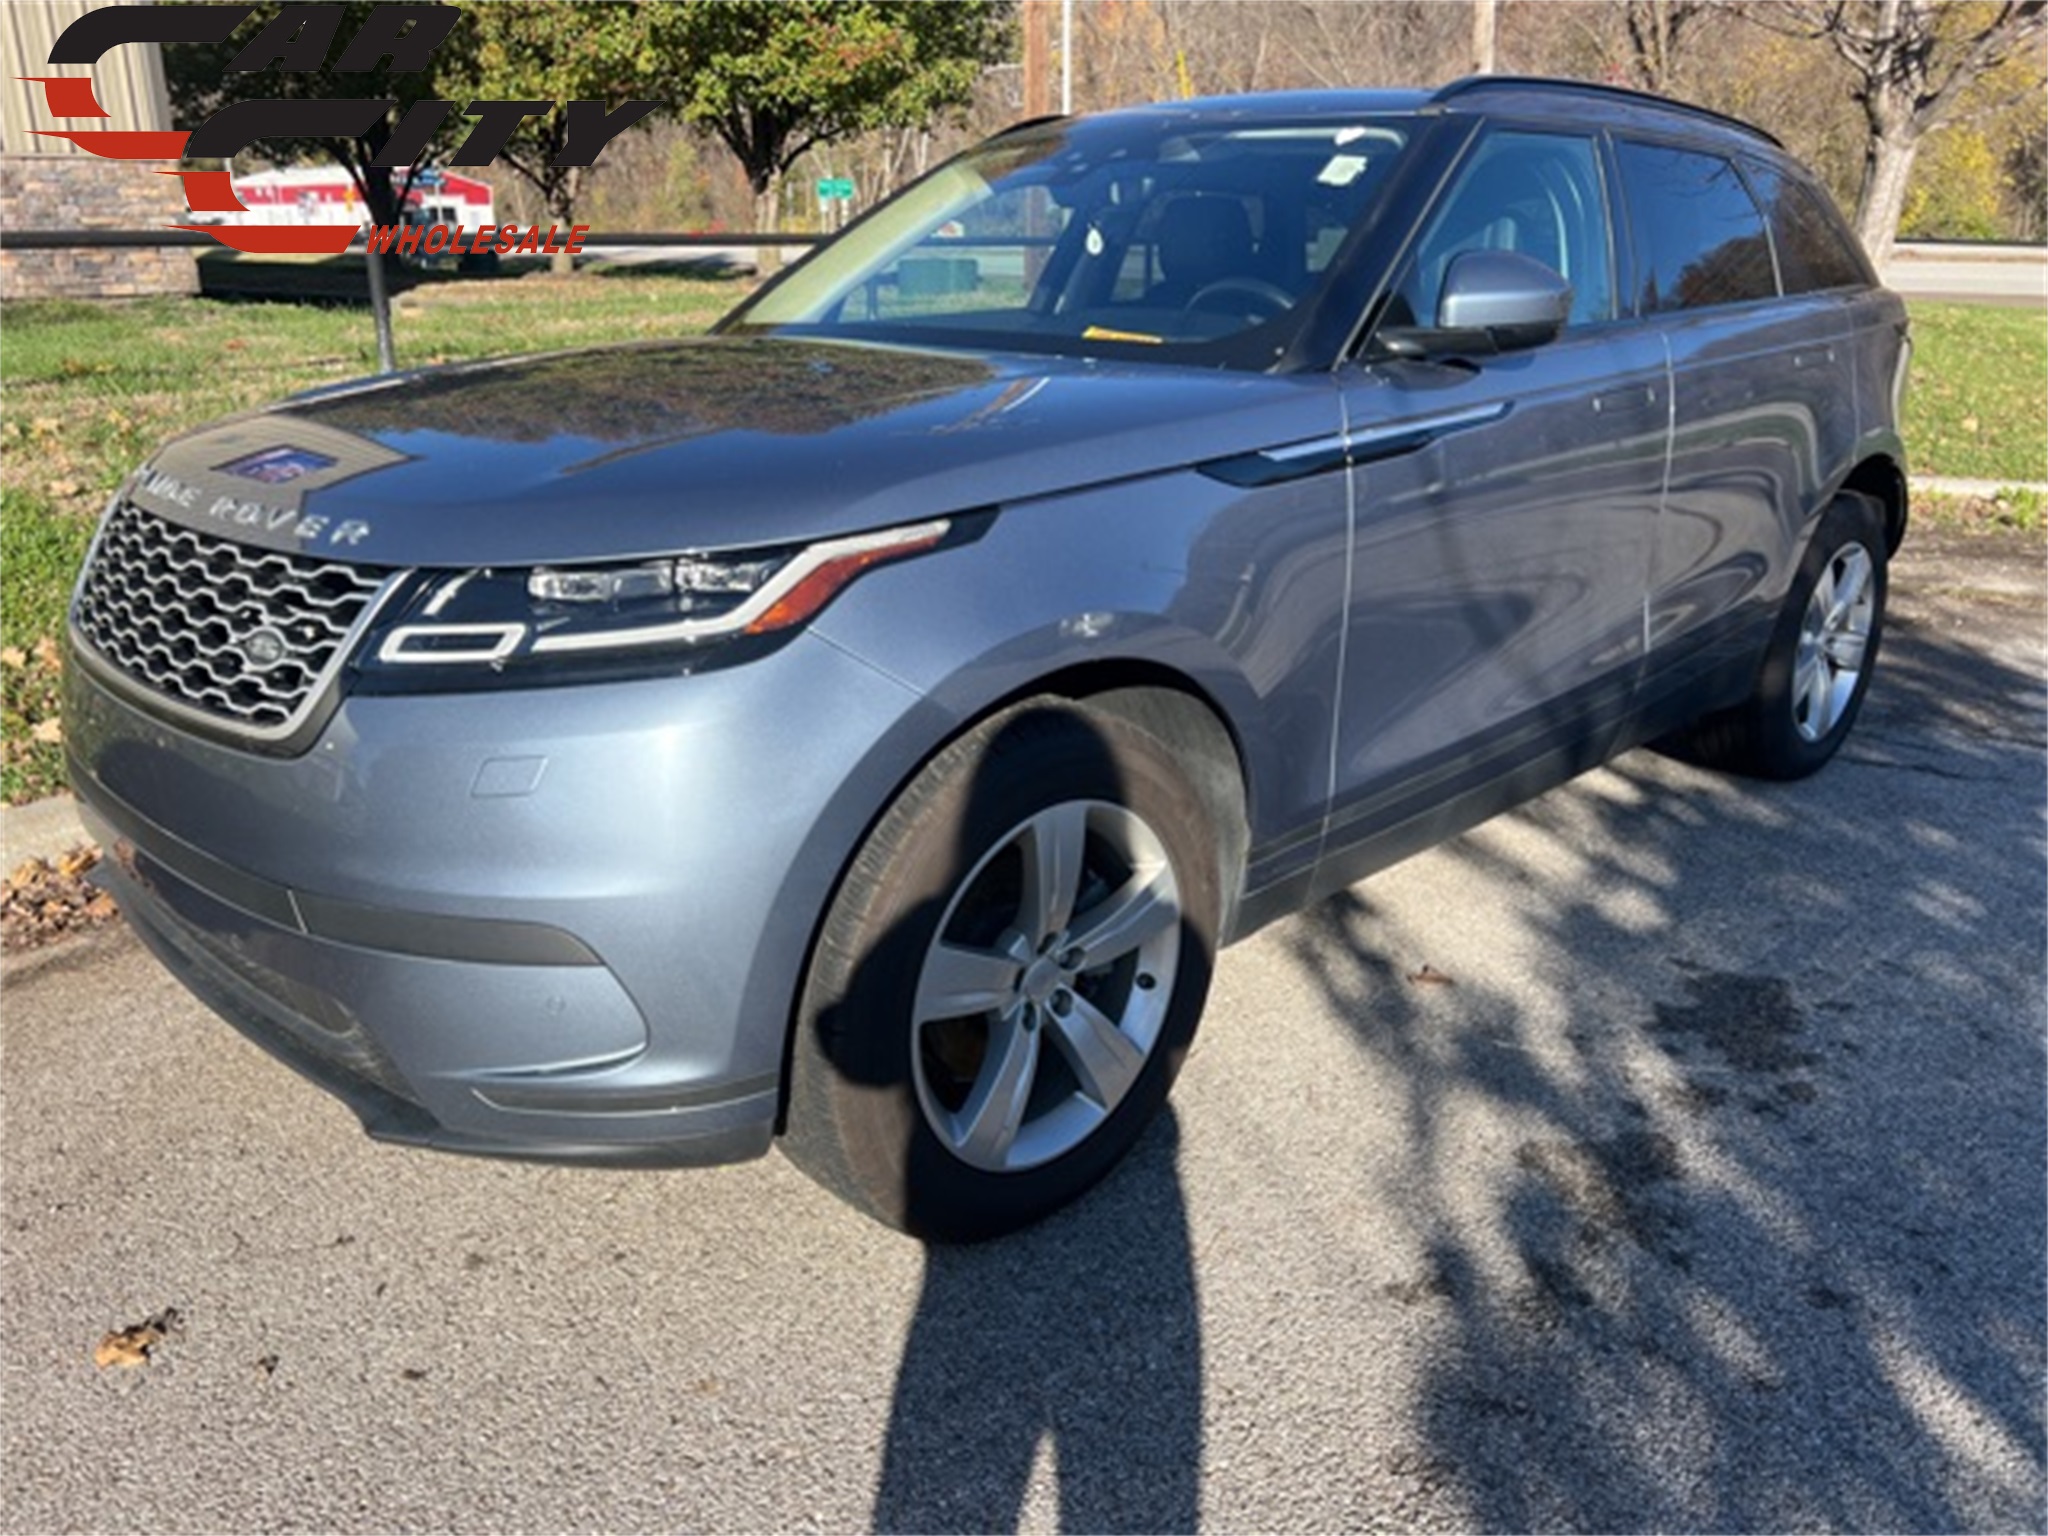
x: 1156, y: 698
x: 1881, y: 478
x: 1174, y: 708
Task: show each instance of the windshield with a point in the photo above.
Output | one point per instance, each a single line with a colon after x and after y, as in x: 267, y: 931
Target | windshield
x: 1136, y: 235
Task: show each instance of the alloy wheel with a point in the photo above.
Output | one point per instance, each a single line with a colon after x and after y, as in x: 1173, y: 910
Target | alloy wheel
x: 1045, y: 989
x: 1834, y: 638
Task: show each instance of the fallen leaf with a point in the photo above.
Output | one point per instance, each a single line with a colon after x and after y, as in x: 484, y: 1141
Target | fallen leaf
x: 51, y: 731
x: 130, y: 1347
x: 41, y: 901
x: 63, y: 487
x: 13, y: 656
x: 1430, y: 976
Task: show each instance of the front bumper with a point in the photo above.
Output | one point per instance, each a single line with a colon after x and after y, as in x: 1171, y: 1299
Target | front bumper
x: 563, y: 924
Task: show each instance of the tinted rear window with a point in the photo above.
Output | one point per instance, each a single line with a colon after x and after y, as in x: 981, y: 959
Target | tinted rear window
x: 1699, y: 239
x: 1814, y: 250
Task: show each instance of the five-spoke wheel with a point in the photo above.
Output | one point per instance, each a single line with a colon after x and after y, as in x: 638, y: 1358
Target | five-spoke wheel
x: 1008, y: 977
x: 1834, y: 638
x: 1044, y: 991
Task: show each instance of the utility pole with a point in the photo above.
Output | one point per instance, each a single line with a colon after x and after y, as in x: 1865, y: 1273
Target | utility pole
x: 1037, y: 58
x: 1482, y: 35
x: 1066, y: 58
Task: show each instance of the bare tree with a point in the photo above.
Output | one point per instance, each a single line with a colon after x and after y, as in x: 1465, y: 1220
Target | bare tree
x: 1657, y: 32
x: 1912, y: 61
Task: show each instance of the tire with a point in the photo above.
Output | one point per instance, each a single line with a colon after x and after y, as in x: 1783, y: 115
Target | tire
x: 977, y: 1044
x: 1817, y: 670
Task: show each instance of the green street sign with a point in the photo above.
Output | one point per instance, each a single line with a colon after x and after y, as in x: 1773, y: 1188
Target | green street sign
x: 831, y: 187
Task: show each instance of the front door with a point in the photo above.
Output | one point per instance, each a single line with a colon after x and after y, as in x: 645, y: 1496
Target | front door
x: 1504, y: 525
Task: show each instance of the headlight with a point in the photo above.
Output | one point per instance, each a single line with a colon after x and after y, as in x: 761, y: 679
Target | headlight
x: 544, y: 618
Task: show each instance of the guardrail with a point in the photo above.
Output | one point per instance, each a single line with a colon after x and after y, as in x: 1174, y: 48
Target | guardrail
x: 377, y: 290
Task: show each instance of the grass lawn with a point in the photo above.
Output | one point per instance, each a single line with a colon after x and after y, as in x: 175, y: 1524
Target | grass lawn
x: 91, y: 389
x: 1977, y: 402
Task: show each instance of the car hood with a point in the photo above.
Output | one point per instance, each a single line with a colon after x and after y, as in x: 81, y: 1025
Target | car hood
x: 715, y: 443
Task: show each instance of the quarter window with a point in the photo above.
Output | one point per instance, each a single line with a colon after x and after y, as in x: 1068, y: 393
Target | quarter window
x: 1814, y: 251
x: 1699, y: 239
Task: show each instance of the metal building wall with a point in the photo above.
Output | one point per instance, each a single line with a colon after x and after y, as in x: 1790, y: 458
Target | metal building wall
x: 129, y: 81
x: 48, y: 183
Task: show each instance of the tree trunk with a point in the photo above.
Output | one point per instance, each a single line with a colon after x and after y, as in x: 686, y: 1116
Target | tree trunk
x: 1887, y: 167
x: 767, y: 215
x: 562, y: 210
x: 1483, y: 27
x: 380, y: 194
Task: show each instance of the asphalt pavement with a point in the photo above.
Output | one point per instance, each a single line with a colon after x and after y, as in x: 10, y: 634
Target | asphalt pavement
x: 1973, y: 272
x: 1697, y: 1184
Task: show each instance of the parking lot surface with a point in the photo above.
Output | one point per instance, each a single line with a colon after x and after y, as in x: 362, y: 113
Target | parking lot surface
x: 1667, y: 1154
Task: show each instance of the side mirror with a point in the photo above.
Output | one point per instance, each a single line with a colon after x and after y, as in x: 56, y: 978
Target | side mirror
x: 1492, y: 301
x: 1516, y: 300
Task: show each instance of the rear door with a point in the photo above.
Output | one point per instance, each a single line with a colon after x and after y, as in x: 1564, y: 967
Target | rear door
x: 1763, y: 406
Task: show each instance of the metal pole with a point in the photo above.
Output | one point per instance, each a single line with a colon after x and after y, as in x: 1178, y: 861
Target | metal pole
x: 380, y: 307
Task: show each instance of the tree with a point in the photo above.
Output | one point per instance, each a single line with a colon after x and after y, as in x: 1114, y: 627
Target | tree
x: 1912, y: 60
x: 201, y: 84
x: 774, y: 78
x: 1657, y: 30
x: 542, y: 50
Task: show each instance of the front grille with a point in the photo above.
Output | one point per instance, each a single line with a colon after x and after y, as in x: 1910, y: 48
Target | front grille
x: 248, y: 636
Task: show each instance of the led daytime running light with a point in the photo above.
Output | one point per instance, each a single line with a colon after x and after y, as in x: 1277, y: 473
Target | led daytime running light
x: 795, y: 592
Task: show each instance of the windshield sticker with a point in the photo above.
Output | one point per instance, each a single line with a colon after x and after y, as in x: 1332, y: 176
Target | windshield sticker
x: 1342, y: 170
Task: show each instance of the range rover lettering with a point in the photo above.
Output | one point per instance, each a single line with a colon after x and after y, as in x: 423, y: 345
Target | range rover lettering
x: 860, y: 727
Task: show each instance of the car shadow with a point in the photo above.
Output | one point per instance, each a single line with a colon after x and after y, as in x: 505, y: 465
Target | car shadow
x: 1767, y: 1247
x: 1076, y: 1342
x: 1068, y: 1353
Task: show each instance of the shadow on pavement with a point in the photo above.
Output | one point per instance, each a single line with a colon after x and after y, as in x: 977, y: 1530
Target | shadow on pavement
x: 1768, y: 1250
x: 1080, y: 1336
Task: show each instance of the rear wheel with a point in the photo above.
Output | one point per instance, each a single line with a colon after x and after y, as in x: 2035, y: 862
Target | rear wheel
x: 1008, y: 977
x: 1815, y: 675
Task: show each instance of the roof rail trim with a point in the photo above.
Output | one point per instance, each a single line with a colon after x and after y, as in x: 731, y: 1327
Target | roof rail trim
x: 1471, y: 83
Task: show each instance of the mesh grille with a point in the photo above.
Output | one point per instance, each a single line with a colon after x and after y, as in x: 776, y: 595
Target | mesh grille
x: 249, y: 636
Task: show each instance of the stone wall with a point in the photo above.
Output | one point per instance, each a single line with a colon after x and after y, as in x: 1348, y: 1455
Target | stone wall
x: 71, y: 191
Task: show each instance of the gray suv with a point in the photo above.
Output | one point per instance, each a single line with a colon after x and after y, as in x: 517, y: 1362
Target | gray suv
x: 861, y: 726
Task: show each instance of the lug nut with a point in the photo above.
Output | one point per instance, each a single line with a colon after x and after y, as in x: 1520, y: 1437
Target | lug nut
x: 1062, y: 1002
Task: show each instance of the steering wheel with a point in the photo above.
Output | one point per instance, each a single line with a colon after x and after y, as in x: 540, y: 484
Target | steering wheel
x: 1265, y: 299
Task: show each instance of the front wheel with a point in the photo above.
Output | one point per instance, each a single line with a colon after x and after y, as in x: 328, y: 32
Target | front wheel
x: 1008, y: 977
x: 1822, y: 653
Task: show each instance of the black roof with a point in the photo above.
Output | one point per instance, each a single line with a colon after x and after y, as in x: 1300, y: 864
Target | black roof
x: 1544, y: 88
x: 1539, y: 92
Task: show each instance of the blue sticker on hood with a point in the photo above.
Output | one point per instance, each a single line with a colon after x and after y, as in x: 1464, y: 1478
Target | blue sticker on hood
x: 275, y: 466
